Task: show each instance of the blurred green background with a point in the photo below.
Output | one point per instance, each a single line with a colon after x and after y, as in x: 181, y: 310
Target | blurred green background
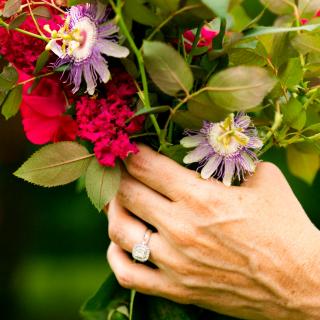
x: 53, y: 242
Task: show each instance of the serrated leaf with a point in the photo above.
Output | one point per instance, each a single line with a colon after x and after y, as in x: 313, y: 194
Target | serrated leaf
x: 11, y: 7
x: 55, y: 164
x: 17, y: 21
x: 140, y: 13
x: 42, y: 12
x: 240, y: 88
x: 302, y: 165
x: 11, y: 105
x: 306, y: 43
x: 259, y: 31
x: 166, y: 67
x: 219, y: 7
x: 203, y: 108
x: 42, y: 61
x: 8, y: 77
x: 153, y: 110
x: 279, y: 6
x: 102, y: 183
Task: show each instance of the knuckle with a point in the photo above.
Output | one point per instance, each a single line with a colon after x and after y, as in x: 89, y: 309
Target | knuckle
x: 115, y: 233
x: 124, y: 278
x: 137, y: 164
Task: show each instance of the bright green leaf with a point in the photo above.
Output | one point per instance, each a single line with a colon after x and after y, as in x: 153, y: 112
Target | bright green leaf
x: 76, y: 2
x: 303, y: 165
x: 167, y: 68
x: 55, y: 164
x: 12, y: 103
x: 293, y: 114
x: 259, y: 31
x: 219, y: 7
x: 102, y: 183
x: 240, y: 88
x: 292, y: 74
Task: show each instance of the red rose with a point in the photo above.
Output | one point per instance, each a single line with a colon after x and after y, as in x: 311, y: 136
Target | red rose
x: 43, y: 111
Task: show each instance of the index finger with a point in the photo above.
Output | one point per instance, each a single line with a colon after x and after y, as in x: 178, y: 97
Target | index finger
x: 161, y: 173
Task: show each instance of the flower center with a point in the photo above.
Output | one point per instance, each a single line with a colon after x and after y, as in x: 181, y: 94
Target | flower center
x: 225, y: 138
x: 81, y: 49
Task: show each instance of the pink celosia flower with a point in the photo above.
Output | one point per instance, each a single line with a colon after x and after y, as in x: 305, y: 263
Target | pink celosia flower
x: 207, y: 35
x: 23, y: 50
x: 104, y: 122
x: 43, y: 111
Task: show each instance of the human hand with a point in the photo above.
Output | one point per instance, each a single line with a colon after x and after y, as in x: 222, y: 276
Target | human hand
x: 249, y: 252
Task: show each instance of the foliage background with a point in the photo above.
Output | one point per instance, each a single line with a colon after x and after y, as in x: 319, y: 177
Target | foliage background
x: 53, y: 242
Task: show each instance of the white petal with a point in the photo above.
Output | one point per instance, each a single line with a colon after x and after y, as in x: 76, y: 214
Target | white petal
x: 196, y: 155
x: 103, y: 71
x: 192, y: 141
x: 229, y: 168
x: 112, y: 49
x: 255, y: 143
x: 211, y: 166
x: 248, y: 162
x: 113, y: 28
x: 55, y: 48
x: 88, y: 76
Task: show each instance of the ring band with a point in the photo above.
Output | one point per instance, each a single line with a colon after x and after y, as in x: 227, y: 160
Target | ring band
x: 141, y: 250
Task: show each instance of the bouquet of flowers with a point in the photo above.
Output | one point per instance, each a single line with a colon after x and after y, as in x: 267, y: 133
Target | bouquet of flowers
x: 201, y: 81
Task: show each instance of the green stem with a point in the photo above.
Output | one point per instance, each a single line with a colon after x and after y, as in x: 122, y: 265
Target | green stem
x: 35, y: 78
x: 311, y: 99
x: 194, y: 44
x: 276, y: 125
x: 132, y: 296
x: 34, y: 35
x: 137, y: 52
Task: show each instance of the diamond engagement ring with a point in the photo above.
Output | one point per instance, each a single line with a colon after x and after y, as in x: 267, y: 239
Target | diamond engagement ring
x: 141, y: 251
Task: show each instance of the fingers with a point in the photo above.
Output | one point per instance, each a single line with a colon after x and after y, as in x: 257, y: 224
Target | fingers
x: 161, y: 173
x: 144, y: 202
x: 135, y: 275
x: 126, y: 231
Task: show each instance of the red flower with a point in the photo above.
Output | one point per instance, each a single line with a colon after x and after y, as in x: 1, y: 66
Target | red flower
x: 23, y: 50
x: 43, y: 111
x: 207, y: 35
x: 105, y: 121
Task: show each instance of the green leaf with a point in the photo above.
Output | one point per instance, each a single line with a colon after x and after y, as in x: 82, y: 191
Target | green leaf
x: 42, y: 12
x: 203, y: 108
x: 17, y: 21
x: 55, y: 164
x: 3, y: 95
x: 282, y: 50
x: 140, y: 13
x: 12, y: 103
x: 293, y: 114
x: 166, y: 5
x: 102, y: 183
x: 219, y: 7
x: 153, y: 110
x: 259, y: 31
x: 187, y: 120
x: 280, y: 7
x: 302, y: 165
x: 76, y: 2
x: 8, y: 77
x: 11, y: 7
x: 307, y: 8
x: 240, y: 88
x: 176, y: 152
x: 42, y: 61
x: 292, y: 74
x: 166, y: 67
x: 306, y: 43
x: 162, y: 309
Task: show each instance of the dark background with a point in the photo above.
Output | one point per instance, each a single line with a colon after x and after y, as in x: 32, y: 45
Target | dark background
x: 53, y: 242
